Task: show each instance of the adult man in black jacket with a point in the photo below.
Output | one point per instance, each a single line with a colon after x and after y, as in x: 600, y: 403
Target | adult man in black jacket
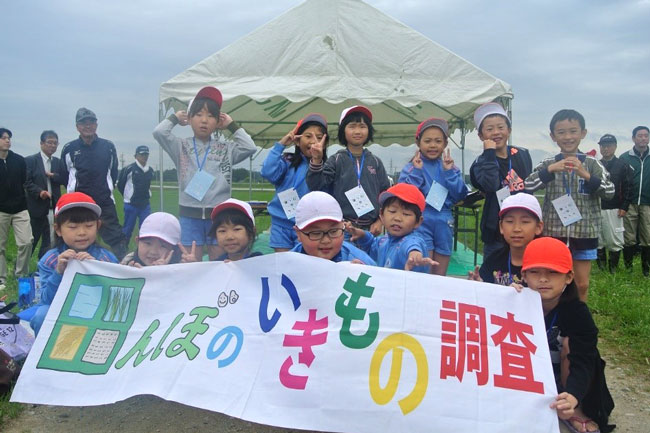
x: 90, y: 166
x: 43, y: 187
x: 134, y: 184
x: 13, y: 208
x: 613, y: 210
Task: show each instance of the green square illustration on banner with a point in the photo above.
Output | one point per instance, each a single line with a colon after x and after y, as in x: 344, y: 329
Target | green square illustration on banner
x: 93, y: 324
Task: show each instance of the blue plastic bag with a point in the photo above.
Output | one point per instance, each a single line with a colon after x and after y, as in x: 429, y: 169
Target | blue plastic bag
x: 25, y: 291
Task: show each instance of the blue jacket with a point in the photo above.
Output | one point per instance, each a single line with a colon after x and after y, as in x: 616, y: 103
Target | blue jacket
x: 277, y: 170
x: 348, y: 253
x: 50, y: 278
x: 391, y: 251
x: 423, y: 178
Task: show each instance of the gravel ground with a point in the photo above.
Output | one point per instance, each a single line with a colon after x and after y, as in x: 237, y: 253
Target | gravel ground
x: 631, y: 392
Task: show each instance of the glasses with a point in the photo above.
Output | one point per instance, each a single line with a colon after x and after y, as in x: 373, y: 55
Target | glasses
x: 317, y: 235
x: 52, y: 142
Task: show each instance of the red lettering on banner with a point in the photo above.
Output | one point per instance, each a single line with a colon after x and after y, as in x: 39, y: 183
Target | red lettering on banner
x: 464, y: 341
x: 516, y: 364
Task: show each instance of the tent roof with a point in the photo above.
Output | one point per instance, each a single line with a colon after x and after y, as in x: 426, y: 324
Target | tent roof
x: 325, y: 55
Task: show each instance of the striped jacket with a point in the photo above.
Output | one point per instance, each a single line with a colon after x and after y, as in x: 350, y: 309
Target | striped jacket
x: 586, y: 194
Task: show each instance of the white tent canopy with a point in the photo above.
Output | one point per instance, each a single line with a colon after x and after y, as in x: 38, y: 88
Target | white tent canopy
x: 325, y: 55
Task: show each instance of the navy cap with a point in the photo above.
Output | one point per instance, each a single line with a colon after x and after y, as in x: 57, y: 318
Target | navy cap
x: 607, y: 139
x: 141, y: 150
x: 83, y: 113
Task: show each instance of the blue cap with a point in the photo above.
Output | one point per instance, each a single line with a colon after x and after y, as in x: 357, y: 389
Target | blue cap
x: 141, y: 150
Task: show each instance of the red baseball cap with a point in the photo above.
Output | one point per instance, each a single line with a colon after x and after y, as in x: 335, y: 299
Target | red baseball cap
x: 76, y: 199
x: 405, y: 192
x: 312, y: 117
x: 355, y: 109
x: 210, y: 93
x: 433, y: 121
x: 547, y: 253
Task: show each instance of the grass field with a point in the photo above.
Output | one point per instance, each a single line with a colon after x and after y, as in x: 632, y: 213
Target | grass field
x: 620, y: 302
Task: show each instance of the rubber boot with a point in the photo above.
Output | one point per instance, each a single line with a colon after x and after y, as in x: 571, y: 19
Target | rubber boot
x: 645, y: 261
x: 628, y: 257
x: 614, y: 257
x: 602, y: 258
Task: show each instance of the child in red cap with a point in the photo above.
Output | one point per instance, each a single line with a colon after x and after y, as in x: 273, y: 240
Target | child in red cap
x: 583, y: 403
x: 204, y: 164
x: 401, y: 208
x: 433, y: 172
x: 287, y: 172
x: 76, y: 222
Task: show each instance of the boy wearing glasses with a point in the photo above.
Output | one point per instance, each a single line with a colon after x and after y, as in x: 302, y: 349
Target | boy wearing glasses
x: 319, y: 227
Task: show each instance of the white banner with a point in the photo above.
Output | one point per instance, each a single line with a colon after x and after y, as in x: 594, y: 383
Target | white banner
x: 300, y: 342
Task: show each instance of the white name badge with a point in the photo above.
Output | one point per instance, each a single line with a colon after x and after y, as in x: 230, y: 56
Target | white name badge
x: 289, y: 200
x: 503, y: 194
x: 567, y: 210
x: 359, y: 201
x: 437, y: 196
x: 199, y: 185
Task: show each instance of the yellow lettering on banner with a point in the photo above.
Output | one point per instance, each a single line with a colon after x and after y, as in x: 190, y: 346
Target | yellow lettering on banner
x: 397, y: 343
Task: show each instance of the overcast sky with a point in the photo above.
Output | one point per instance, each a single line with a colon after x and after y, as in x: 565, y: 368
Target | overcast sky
x: 112, y: 56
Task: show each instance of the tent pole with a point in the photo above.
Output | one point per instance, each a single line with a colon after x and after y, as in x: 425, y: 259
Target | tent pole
x: 462, y: 149
x: 250, y: 178
x: 160, y: 174
x: 161, y: 115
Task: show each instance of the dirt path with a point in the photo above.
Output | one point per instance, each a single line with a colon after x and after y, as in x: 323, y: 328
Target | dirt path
x: 631, y: 392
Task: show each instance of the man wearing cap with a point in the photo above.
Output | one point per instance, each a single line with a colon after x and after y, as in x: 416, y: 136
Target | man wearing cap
x: 134, y: 183
x: 637, y: 218
x: 613, y: 210
x: 43, y: 187
x: 13, y: 208
x: 90, y: 166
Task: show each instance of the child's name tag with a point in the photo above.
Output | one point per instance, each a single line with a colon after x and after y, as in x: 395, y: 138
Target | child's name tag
x: 359, y: 201
x: 437, y: 195
x: 567, y: 210
x: 199, y: 185
x: 289, y: 200
x: 503, y: 194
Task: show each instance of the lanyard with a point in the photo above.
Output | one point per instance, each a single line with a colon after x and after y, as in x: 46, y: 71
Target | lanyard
x: 359, y: 166
x: 438, y: 174
x: 550, y: 328
x: 196, y: 154
x: 509, y: 268
x: 567, y: 187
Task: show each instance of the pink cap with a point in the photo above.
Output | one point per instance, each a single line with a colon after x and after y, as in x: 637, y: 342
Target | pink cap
x: 161, y: 225
x: 521, y: 201
x: 233, y: 203
x: 317, y: 206
x: 355, y: 109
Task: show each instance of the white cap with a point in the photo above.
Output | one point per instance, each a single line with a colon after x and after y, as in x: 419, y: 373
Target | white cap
x: 317, y: 206
x: 161, y: 225
x: 355, y: 109
x: 233, y: 203
x: 486, y: 110
x: 521, y: 201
